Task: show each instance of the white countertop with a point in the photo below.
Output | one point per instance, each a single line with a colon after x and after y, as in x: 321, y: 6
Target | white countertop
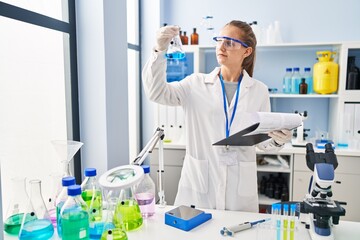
x: 288, y: 149
x: 155, y: 228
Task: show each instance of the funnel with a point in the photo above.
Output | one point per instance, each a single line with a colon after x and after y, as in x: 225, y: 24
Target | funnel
x: 66, y: 149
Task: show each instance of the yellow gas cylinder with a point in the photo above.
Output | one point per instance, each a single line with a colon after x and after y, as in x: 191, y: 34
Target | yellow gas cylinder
x: 326, y: 73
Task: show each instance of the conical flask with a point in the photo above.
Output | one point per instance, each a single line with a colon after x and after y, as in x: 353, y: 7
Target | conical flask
x: 110, y: 231
x: 175, y: 50
x: 127, y: 214
x: 17, y: 207
x: 40, y: 227
x: 51, y: 200
x: 66, y: 150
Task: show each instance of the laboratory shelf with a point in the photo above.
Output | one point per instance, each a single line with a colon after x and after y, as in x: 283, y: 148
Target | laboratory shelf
x: 264, y: 200
x: 283, y: 95
x: 267, y: 168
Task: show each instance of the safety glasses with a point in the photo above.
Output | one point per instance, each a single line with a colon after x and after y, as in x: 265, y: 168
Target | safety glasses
x: 229, y: 43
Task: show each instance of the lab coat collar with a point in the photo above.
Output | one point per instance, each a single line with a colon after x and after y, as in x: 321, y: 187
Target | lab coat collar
x: 246, y: 82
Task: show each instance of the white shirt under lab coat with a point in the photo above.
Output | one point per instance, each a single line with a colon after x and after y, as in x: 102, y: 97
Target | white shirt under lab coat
x: 206, y: 181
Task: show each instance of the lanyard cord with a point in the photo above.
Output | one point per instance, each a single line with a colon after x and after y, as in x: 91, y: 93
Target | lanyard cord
x: 228, y: 126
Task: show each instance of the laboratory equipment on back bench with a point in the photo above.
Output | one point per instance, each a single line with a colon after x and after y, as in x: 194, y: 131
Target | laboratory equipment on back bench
x: 129, y: 175
x: 318, y: 210
x: 300, y: 132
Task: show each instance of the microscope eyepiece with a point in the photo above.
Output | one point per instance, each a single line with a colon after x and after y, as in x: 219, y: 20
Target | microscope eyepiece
x: 309, y: 148
x: 329, y: 148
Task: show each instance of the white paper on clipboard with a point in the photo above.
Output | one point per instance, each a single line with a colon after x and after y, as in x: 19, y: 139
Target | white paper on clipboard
x: 272, y: 121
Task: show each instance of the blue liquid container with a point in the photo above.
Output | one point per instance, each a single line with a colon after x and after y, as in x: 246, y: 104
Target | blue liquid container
x: 287, y: 81
x: 175, y: 55
x: 308, y: 79
x: 66, y: 182
x: 96, y: 229
x: 40, y: 229
x: 74, y: 216
x: 295, y: 81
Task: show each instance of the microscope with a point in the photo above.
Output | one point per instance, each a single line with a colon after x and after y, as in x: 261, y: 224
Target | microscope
x: 300, y: 132
x: 318, y: 210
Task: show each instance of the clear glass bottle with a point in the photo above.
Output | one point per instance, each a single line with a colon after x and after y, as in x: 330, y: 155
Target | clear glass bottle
x: 295, y: 81
x: 308, y: 79
x: 287, y: 81
x: 17, y: 207
x: 61, y: 198
x: 194, y: 38
x: 74, y: 216
x: 40, y: 227
x: 127, y: 214
x: 91, y: 194
x: 303, y: 87
x: 145, y: 194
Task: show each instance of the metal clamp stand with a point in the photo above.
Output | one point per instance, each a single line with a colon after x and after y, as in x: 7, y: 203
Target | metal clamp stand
x: 158, y: 135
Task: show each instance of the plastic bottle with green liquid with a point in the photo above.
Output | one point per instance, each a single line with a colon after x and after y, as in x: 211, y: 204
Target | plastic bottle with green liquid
x: 91, y: 194
x: 74, y: 216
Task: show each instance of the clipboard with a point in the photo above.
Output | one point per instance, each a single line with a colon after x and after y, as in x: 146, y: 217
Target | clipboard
x: 238, y: 139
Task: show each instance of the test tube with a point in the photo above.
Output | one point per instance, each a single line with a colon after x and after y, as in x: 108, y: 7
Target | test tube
x: 292, y: 220
x: 285, y: 221
x: 278, y: 221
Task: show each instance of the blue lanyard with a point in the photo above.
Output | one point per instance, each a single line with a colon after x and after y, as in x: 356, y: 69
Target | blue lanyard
x: 227, y: 127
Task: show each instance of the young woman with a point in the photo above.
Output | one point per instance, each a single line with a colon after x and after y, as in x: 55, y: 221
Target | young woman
x: 212, y: 176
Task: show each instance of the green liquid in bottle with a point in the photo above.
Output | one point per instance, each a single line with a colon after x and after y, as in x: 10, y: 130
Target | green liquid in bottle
x: 12, y: 225
x: 75, y: 225
x: 116, y: 233
x: 127, y: 215
x: 96, y: 211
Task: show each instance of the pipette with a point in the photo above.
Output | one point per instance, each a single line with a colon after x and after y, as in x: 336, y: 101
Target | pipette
x: 230, y: 231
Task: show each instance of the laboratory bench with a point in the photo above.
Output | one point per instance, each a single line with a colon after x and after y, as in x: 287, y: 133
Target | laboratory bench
x: 297, y: 175
x: 155, y: 227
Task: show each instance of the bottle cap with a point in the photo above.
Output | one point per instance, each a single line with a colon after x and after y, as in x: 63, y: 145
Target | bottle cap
x: 74, y: 190
x: 303, y: 80
x: 289, y: 69
x: 90, y: 172
x: 307, y: 69
x: 146, y: 168
x: 68, y: 181
x: 296, y: 69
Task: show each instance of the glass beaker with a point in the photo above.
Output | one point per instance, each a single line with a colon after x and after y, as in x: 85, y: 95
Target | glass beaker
x: 40, y: 226
x: 110, y: 231
x: 127, y: 214
x: 17, y: 207
x: 175, y: 50
x: 66, y: 150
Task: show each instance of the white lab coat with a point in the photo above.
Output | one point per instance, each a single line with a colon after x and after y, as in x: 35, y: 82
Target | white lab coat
x: 205, y: 181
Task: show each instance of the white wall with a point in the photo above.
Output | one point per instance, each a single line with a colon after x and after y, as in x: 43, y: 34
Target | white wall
x: 103, y: 91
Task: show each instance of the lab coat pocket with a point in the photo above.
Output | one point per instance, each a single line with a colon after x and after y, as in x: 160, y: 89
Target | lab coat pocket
x: 247, y: 185
x: 196, y: 174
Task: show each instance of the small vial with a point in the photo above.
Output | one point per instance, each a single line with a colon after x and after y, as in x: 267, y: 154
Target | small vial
x: 303, y: 87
